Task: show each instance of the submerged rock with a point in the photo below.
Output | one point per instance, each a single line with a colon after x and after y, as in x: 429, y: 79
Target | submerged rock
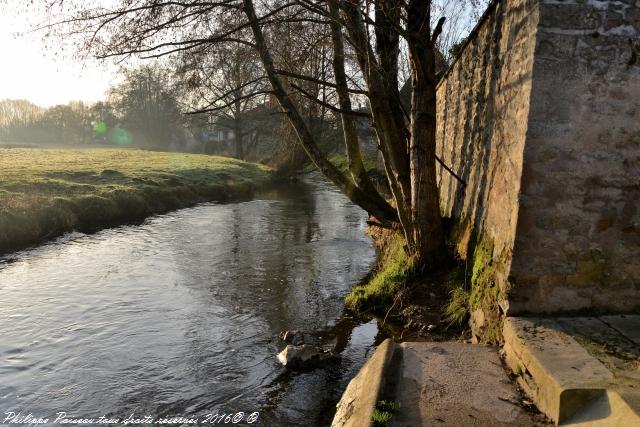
x: 292, y: 337
x: 304, y: 356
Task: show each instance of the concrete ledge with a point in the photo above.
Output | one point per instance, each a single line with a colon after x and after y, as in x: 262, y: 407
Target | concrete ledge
x: 553, y: 368
x: 612, y: 408
x: 359, y: 400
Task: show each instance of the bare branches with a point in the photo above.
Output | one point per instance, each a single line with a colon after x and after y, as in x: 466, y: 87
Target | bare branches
x: 318, y: 81
x: 317, y: 58
x: 230, y: 103
x: 315, y: 99
x: 438, y: 30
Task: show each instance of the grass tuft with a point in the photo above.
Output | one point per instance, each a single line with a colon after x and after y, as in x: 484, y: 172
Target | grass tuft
x: 388, y: 406
x: 457, y: 309
x: 381, y: 418
x: 383, y: 412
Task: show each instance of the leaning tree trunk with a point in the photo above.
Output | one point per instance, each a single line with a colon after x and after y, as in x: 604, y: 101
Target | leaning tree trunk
x: 350, y: 133
x: 382, y: 211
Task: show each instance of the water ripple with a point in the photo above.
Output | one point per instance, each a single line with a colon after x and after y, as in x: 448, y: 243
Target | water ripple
x: 179, y: 315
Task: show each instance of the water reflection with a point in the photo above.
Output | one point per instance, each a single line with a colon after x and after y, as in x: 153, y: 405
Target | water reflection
x: 179, y: 316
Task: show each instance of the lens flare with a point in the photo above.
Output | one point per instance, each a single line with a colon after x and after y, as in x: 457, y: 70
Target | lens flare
x: 180, y: 162
x: 100, y: 128
x: 120, y: 136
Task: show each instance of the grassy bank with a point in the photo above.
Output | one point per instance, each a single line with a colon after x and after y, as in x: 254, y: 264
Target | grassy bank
x: 44, y: 193
x: 341, y: 161
x: 375, y: 170
x: 413, y: 305
x: 391, y: 274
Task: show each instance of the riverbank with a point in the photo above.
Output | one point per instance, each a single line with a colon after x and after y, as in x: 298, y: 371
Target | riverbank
x: 45, y: 193
x: 411, y: 305
x: 426, y: 314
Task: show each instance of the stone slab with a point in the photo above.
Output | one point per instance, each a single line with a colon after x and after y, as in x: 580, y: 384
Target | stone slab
x: 628, y: 325
x: 553, y: 368
x: 613, y: 408
x: 599, y: 330
x: 610, y: 345
x: 457, y: 384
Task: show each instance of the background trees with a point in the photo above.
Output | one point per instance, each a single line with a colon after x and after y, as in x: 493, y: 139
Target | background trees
x: 146, y: 105
x: 17, y: 120
x: 225, y: 84
x: 24, y: 122
x: 141, y: 110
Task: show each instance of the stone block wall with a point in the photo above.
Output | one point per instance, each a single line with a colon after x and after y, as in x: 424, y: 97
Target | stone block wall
x: 540, y: 115
x: 577, y: 243
x: 483, y: 108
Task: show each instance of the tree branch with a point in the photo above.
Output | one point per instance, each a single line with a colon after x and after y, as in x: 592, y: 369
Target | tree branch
x: 318, y: 81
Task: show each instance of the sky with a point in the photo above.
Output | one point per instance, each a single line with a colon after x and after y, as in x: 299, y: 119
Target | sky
x: 28, y: 70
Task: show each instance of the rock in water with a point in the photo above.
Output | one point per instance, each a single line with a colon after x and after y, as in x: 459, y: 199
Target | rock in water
x: 304, y: 356
x: 292, y: 337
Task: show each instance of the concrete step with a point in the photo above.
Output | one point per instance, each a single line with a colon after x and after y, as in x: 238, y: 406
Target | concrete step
x: 611, y: 408
x: 562, y: 364
x: 456, y: 384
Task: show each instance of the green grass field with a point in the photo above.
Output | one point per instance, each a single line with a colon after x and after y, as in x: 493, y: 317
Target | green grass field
x: 44, y: 193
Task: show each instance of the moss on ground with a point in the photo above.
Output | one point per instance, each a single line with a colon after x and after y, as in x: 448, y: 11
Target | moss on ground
x: 44, y: 193
x: 394, y: 268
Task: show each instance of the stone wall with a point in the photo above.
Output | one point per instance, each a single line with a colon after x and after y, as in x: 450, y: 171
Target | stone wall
x: 483, y: 105
x: 539, y: 115
x: 578, y: 238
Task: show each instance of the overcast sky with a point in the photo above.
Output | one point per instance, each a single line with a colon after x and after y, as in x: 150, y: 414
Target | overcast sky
x: 29, y: 71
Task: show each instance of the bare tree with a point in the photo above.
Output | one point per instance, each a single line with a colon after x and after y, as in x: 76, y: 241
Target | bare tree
x: 224, y: 84
x: 146, y: 105
x: 383, y: 37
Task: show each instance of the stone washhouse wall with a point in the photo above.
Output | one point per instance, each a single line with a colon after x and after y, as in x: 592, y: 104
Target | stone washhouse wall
x: 540, y: 115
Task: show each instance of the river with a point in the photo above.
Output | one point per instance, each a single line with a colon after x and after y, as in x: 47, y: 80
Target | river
x: 179, y: 316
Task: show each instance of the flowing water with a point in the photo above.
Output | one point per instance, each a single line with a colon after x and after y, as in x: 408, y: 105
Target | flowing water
x: 179, y: 316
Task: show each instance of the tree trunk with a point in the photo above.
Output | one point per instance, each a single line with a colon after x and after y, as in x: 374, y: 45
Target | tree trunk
x: 428, y: 234
x: 237, y: 125
x: 237, y: 130
x: 350, y: 133
x: 389, y: 130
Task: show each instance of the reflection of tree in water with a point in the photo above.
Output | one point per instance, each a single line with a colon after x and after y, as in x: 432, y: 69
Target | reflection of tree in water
x: 282, y: 261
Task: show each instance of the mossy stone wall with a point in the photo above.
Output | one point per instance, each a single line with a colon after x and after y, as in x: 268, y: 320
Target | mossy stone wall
x: 540, y: 116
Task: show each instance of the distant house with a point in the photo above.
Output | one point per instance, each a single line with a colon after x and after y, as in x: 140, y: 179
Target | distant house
x: 259, y: 127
